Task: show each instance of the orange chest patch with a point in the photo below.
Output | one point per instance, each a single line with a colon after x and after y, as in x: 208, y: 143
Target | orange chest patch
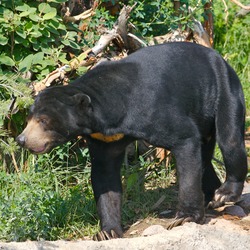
x: 107, y: 138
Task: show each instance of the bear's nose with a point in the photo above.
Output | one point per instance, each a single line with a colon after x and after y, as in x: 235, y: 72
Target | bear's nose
x: 21, y: 140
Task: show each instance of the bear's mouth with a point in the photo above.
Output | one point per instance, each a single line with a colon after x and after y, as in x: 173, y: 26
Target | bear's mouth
x: 40, y: 150
x: 45, y: 148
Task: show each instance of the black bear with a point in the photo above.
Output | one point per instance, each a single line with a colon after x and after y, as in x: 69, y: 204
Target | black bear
x: 179, y: 96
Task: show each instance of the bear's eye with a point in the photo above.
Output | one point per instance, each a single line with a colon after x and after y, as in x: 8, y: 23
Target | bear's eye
x: 43, y: 121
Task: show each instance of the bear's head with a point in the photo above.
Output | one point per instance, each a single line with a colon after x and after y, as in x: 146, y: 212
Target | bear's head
x: 58, y: 115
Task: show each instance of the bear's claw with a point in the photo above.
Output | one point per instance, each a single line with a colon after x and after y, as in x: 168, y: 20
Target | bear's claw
x: 228, y: 193
x: 104, y: 235
x: 179, y: 222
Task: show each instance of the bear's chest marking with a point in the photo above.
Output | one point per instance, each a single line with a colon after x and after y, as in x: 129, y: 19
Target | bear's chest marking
x: 107, y: 138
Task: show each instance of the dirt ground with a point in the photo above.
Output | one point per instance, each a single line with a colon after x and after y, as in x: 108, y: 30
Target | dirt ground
x: 225, y: 229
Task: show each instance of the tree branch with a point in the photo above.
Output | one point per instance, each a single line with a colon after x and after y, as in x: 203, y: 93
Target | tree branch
x: 119, y: 31
x: 86, y: 14
x: 240, y: 4
x: 226, y: 9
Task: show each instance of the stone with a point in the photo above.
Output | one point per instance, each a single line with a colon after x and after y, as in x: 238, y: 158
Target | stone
x: 152, y: 230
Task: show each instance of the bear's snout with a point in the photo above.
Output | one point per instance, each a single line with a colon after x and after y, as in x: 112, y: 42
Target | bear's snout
x: 37, y: 139
x: 21, y: 139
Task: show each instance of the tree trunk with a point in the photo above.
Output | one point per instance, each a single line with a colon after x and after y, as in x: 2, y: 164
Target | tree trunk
x: 208, y: 23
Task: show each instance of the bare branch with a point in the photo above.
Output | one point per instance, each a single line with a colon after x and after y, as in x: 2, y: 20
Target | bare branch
x: 15, y: 163
x: 86, y: 14
x: 226, y: 9
x: 58, y: 73
x: 104, y: 41
x: 121, y: 24
x: 137, y: 39
x: 241, y: 5
x: 119, y: 31
x: 243, y: 12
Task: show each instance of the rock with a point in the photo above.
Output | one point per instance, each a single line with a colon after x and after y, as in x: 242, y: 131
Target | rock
x: 166, y: 212
x: 235, y: 211
x: 247, y: 218
x: 152, y: 230
x: 246, y: 188
x: 221, y: 236
x: 245, y: 202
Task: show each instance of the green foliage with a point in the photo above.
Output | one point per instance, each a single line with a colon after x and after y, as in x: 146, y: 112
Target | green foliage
x: 33, y: 36
x: 14, y: 99
x: 31, y: 207
x: 144, y: 183
x: 34, y: 40
x: 152, y: 18
x: 27, y: 206
x: 232, y: 41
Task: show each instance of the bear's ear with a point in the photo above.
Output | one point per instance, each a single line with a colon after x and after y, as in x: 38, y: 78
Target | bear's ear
x: 81, y: 99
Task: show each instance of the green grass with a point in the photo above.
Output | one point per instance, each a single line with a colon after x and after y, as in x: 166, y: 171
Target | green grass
x: 46, y: 204
x: 143, y: 185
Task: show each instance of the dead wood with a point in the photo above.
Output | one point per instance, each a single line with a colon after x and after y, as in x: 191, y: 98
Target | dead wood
x: 85, y: 15
x: 208, y: 22
x: 104, y: 41
x: 174, y: 36
x: 58, y: 73
x: 141, y: 42
x: 200, y: 35
x: 119, y: 32
x: 243, y: 12
x: 164, y: 156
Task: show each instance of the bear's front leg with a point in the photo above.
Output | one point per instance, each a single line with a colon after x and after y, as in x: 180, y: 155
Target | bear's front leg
x: 109, y: 211
x: 189, y: 170
x: 106, y: 161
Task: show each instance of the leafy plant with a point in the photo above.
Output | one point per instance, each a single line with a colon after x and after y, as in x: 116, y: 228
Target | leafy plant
x: 33, y: 36
x: 14, y: 100
x: 46, y: 201
x: 153, y: 18
x: 31, y: 208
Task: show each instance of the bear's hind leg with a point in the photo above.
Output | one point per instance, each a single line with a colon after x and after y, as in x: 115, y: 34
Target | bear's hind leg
x: 230, y: 137
x: 210, y: 180
x: 189, y: 172
x: 235, y: 160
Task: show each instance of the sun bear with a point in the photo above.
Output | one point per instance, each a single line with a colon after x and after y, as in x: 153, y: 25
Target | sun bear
x: 179, y: 96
